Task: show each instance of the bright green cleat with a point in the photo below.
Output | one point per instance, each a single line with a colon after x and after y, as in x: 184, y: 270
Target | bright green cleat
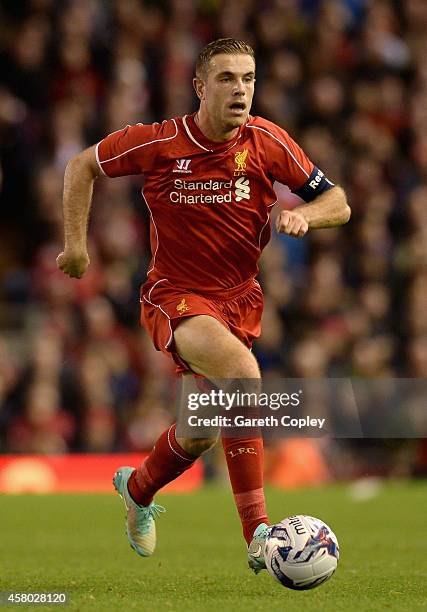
x: 140, y: 525
x: 256, y: 548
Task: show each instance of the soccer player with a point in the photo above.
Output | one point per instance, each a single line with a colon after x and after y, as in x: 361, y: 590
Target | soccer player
x: 208, y: 186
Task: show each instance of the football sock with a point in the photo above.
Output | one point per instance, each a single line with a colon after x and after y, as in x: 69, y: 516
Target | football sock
x: 245, y: 462
x: 166, y: 462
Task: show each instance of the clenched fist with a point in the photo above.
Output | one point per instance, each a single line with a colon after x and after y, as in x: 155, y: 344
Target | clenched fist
x: 73, y: 264
x: 292, y: 222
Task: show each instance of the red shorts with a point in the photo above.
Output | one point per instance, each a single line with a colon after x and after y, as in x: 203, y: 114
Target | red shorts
x: 163, y: 306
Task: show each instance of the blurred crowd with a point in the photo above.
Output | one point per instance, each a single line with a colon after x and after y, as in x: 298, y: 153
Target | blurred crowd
x: 346, y: 78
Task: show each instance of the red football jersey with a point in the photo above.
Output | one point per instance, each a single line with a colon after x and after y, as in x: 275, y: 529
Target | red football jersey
x: 209, y: 202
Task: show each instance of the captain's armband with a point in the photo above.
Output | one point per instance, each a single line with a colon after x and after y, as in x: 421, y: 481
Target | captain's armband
x: 316, y: 184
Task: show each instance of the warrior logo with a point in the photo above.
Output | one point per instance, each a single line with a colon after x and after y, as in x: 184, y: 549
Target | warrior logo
x: 182, y: 166
x: 240, y: 161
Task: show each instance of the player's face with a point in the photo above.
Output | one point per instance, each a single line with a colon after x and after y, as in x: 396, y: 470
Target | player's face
x: 228, y: 89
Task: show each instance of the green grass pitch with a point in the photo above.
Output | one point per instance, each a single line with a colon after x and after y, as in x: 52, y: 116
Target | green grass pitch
x: 76, y: 543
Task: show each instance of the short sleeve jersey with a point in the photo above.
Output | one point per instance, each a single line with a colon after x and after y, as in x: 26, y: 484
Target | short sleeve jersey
x: 209, y: 202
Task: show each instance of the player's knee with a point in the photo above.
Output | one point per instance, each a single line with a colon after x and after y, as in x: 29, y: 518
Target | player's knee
x: 236, y: 365
x: 196, y: 446
x: 241, y: 364
x: 244, y: 369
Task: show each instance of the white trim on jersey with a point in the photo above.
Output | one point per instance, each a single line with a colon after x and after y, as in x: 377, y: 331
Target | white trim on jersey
x: 190, y: 135
x: 152, y: 268
x: 255, y: 127
x: 262, y: 229
x: 265, y: 225
x: 144, y: 144
x: 155, y: 229
x: 97, y: 158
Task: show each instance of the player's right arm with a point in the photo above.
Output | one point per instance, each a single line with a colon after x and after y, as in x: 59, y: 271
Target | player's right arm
x: 132, y: 150
x: 80, y: 175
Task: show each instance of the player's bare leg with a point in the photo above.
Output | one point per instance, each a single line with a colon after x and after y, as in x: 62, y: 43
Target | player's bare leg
x: 213, y: 352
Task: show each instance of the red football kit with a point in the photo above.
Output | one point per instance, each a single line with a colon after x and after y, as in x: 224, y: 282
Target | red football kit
x: 209, y: 204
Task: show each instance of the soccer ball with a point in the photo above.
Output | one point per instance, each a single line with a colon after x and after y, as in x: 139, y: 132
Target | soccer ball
x: 301, y: 552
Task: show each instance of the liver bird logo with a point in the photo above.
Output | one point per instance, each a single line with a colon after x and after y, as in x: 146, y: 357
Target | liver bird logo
x: 182, y: 307
x: 240, y: 161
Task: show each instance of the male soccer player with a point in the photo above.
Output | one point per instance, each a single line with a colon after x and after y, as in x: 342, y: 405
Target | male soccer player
x: 208, y: 185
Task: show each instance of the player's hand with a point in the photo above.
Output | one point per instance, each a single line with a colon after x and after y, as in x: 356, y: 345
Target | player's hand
x: 292, y: 222
x: 73, y: 264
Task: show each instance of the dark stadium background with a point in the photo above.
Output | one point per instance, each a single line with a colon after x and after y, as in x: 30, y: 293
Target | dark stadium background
x: 346, y: 78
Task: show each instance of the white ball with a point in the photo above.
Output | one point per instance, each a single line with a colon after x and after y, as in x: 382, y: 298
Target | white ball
x: 301, y: 552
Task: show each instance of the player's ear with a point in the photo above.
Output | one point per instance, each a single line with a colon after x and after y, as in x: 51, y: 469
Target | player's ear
x: 199, y: 87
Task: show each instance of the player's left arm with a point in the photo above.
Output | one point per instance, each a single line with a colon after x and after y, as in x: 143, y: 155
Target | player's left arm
x: 325, y: 204
x: 328, y: 209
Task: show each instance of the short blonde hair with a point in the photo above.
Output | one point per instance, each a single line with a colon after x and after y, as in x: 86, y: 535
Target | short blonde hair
x: 230, y: 46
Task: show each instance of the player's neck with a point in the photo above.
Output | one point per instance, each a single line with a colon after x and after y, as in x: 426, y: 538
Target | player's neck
x: 211, y: 132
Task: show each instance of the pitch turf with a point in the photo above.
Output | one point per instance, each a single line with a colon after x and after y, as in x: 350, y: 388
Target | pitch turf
x: 75, y: 543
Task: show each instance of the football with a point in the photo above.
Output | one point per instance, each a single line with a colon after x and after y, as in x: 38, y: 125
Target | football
x: 301, y: 552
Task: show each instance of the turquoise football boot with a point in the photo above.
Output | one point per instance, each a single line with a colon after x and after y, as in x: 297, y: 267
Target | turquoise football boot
x: 140, y: 525
x: 256, y: 548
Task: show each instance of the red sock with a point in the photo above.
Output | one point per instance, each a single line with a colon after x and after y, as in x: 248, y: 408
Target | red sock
x: 166, y: 462
x: 245, y: 458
